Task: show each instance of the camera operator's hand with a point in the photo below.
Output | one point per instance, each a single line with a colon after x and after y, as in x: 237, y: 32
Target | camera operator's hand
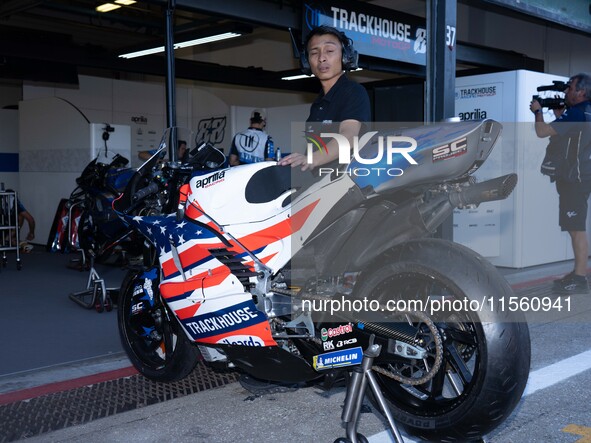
x: 542, y: 129
x: 558, y: 111
x: 535, y: 107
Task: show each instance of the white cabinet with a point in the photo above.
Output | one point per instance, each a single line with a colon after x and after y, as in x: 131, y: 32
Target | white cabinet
x: 523, y: 229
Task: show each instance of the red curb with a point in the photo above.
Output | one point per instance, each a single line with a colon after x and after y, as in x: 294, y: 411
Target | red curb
x: 52, y: 388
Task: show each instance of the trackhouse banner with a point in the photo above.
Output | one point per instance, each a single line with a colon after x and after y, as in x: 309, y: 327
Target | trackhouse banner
x: 375, y: 31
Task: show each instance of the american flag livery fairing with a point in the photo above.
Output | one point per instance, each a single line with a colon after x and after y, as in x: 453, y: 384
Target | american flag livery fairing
x: 209, y: 257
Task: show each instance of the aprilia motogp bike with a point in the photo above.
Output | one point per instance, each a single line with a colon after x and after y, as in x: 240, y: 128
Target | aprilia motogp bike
x: 291, y: 283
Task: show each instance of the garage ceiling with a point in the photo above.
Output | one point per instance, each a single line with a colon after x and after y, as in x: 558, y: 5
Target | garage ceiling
x: 48, y: 40
x: 55, y: 40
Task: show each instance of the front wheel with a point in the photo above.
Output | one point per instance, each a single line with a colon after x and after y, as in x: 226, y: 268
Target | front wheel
x: 152, y: 339
x: 485, y: 354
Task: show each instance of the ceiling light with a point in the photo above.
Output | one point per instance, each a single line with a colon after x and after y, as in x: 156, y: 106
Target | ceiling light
x: 183, y: 44
x: 106, y: 7
x: 203, y: 40
x: 125, y: 2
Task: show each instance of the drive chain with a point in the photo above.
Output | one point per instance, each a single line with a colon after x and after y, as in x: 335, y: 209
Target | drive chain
x: 393, y: 374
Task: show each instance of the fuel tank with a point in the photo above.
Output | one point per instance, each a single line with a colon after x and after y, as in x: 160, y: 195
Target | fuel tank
x: 243, y: 194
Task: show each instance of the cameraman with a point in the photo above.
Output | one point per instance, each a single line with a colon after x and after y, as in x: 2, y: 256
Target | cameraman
x: 572, y: 194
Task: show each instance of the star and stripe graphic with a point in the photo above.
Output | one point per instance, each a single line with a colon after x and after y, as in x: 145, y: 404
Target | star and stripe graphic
x: 207, y: 258
x: 197, y: 285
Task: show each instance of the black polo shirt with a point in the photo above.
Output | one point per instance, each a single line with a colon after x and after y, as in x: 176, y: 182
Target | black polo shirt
x: 346, y: 100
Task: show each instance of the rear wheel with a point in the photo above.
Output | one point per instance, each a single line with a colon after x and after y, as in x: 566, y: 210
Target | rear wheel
x: 153, y: 340
x: 485, y: 355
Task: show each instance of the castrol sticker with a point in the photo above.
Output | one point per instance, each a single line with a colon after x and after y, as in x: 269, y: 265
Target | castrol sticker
x: 326, y: 333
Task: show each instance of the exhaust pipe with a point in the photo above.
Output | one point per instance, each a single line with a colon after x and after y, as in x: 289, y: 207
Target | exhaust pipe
x: 494, y: 189
x: 417, y: 218
x: 434, y: 212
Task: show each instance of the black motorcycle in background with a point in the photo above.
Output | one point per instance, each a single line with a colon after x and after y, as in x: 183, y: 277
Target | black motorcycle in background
x: 86, y: 222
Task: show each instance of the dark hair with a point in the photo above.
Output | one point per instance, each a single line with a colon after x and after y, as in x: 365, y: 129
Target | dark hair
x: 325, y: 29
x: 583, y: 83
x: 256, y: 118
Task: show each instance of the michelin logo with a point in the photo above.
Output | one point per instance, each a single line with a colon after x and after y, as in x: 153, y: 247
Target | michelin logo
x: 336, y: 359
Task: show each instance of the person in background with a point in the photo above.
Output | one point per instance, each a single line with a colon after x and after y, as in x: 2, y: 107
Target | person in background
x: 252, y: 145
x: 572, y: 196
x: 24, y: 215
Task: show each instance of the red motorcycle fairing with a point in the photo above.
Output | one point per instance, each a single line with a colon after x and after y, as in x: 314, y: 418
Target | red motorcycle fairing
x: 192, y: 278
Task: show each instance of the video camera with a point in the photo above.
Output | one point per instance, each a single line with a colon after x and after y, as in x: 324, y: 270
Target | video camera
x: 552, y: 103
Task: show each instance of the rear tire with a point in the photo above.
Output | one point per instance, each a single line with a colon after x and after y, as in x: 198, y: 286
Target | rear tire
x: 152, y: 338
x: 486, y: 354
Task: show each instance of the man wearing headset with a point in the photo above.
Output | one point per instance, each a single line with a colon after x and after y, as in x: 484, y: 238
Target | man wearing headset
x: 343, y: 105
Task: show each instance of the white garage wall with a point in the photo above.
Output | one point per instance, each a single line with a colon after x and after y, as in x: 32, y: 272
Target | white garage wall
x: 8, y: 146
x: 54, y: 140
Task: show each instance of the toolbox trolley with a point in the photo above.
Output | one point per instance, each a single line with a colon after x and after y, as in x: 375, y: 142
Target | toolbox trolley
x: 9, y: 235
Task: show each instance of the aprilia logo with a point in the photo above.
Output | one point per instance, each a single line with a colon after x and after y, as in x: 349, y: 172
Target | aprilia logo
x: 210, y: 180
x: 477, y: 114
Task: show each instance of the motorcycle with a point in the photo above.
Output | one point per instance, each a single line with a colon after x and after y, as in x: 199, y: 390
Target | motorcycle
x: 86, y: 220
x: 292, y: 284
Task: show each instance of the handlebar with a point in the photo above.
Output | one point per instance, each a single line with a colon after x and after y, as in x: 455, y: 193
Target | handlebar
x: 152, y: 188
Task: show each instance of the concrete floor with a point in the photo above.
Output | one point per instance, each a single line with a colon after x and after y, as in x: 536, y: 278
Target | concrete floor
x: 50, y: 338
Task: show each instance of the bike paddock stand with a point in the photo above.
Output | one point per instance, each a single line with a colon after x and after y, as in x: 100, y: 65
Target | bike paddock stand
x: 96, y: 295
x: 361, y: 376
